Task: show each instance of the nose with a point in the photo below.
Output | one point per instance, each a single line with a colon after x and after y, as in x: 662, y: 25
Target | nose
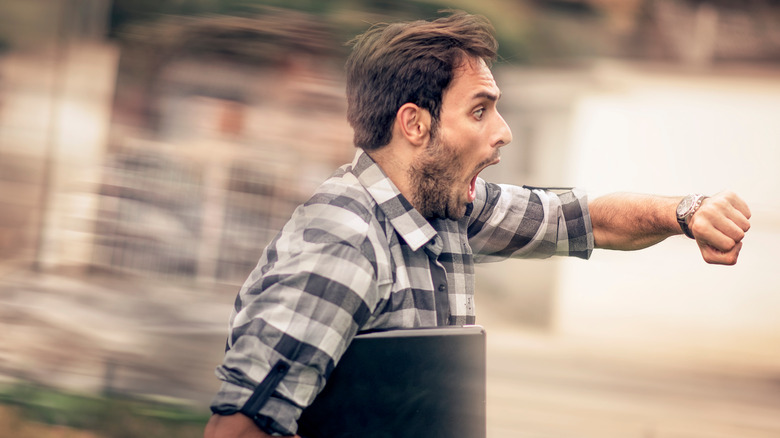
x: 503, y: 133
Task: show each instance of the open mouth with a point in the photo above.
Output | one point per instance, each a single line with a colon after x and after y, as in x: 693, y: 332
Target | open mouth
x: 472, y: 195
x: 473, y: 188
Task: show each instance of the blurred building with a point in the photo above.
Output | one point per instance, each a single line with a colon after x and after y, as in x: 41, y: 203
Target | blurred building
x: 179, y: 155
x: 177, y: 148
x: 57, y: 80
x: 216, y: 139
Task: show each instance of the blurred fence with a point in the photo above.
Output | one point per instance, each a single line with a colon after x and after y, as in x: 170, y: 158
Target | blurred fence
x: 18, y: 201
x: 156, y: 217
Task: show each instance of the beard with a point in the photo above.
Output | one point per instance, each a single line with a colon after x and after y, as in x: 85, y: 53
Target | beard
x: 436, y: 179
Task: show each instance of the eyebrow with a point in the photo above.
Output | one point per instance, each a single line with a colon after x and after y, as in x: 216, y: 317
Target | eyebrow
x: 486, y: 95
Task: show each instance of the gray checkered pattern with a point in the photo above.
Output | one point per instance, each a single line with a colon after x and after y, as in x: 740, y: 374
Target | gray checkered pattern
x: 358, y: 257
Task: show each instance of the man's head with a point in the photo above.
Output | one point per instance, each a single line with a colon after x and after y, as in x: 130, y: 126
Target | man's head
x: 443, y: 171
x: 394, y: 64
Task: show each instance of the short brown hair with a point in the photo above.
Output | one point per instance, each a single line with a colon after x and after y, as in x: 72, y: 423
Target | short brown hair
x: 393, y: 64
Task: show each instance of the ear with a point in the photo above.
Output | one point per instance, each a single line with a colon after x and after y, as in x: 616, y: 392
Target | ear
x: 413, y: 123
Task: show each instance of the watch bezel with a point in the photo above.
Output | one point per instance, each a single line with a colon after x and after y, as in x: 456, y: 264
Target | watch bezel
x: 686, y: 209
x: 685, y: 205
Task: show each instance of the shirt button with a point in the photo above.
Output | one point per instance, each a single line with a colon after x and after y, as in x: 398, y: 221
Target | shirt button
x: 442, y: 287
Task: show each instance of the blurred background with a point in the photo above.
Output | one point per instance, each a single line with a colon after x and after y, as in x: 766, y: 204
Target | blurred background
x: 150, y: 149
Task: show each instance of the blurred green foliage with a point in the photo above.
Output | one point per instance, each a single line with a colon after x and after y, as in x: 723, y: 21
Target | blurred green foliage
x: 111, y: 416
x: 528, y: 31
x: 346, y: 18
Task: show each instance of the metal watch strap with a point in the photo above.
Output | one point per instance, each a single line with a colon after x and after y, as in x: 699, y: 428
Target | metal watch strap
x: 683, y: 221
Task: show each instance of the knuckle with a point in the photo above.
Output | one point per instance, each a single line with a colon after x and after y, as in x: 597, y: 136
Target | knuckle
x: 727, y: 195
x: 721, y: 202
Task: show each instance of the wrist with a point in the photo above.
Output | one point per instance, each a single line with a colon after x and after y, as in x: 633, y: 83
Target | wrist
x: 687, y: 207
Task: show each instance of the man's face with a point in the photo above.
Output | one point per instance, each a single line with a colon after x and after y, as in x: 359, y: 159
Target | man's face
x: 468, y: 139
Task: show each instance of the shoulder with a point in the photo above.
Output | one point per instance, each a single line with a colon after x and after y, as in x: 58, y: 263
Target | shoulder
x: 338, y: 222
x: 339, y: 211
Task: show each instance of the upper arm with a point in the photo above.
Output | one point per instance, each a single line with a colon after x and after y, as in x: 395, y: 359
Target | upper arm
x: 514, y: 221
x: 301, y: 308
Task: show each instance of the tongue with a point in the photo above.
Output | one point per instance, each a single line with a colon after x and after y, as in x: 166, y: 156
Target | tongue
x: 473, y: 189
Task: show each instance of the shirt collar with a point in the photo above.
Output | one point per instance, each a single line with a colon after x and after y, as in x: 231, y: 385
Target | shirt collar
x: 407, y: 221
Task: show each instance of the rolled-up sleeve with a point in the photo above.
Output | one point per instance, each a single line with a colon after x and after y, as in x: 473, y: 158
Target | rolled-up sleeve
x: 523, y: 222
x: 293, y: 320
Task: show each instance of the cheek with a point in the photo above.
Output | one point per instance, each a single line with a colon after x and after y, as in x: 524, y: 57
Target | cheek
x: 470, y: 138
x: 462, y: 144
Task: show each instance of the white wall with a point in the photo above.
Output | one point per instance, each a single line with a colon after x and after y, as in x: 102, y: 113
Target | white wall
x: 675, y: 133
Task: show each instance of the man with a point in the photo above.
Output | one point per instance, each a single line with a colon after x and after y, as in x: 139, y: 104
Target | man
x: 390, y: 240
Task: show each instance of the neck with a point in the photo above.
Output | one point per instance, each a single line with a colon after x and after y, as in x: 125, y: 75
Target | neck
x: 396, y: 167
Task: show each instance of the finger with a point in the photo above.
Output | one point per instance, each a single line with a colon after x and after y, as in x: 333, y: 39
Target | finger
x: 730, y: 205
x: 719, y: 241
x: 743, y: 222
x: 715, y: 256
x: 719, y: 224
x: 716, y: 231
x: 738, y: 212
x: 738, y: 203
x: 730, y: 228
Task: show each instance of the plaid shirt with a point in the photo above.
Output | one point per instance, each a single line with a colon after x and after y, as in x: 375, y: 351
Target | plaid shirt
x: 357, y: 256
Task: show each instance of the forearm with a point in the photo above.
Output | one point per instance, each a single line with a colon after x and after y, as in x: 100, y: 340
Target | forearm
x: 288, y: 331
x: 629, y: 221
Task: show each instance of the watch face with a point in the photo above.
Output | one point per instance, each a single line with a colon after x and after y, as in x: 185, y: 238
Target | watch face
x: 685, y: 205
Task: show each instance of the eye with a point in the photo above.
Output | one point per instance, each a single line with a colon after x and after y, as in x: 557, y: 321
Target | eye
x: 478, y: 113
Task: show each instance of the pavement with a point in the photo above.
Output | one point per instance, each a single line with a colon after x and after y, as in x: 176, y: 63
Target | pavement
x: 540, y: 386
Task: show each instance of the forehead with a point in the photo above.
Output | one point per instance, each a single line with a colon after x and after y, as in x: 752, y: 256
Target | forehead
x: 471, y: 79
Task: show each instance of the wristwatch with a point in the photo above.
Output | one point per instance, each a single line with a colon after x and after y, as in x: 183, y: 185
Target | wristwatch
x: 685, y: 210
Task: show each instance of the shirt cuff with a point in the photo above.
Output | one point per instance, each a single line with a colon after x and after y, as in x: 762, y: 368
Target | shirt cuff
x: 276, y: 417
